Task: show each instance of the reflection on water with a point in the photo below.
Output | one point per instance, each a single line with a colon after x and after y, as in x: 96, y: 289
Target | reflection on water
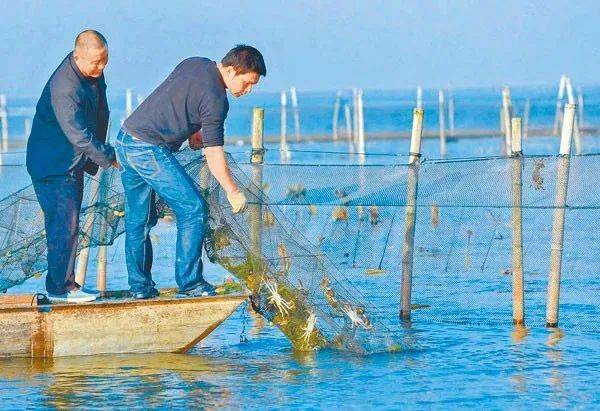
x: 447, y: 366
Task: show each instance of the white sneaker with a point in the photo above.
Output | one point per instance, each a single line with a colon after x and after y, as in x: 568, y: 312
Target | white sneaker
x: 75, y: 296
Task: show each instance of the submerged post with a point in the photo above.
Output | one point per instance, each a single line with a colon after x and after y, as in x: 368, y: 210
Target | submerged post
x: 559, y: 99
x: 419, y: 97
x: 580, y: 108
x: 506, y: 116
x: 451, y: 114
x: 26, y: 128
x: 526, y: 111
x: 257, y: 158
x: 294, y: 97
x: 410, y: 214
x: 361, y: 126
x: 285, y: 154
x: 558, y: 217
x: 348, y: 119
x: 571, y: 99
x: 336, y: 115
x: 128, y: 102
x: 517, y: 225
x: 4, y: 122
x: 442, y: 117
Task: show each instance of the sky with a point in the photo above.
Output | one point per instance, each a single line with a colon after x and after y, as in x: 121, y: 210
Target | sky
x: 313, y: 45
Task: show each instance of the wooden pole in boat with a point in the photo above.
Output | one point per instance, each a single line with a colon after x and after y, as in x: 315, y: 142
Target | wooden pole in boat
x: 4, y: 122
x: 88, y: 226
x: 285, y: 154
x: 526, y: 111
x: 336, y: 115
x: 451, y: 114
x: 442, y: 118
x: 571, y: 99
x: 361, y: 126
x: 559, y: 98
x: 294, y: 97
x: 257, y: 158
x: 410, y: 213
x: 558, y: 217
x: 102, y: 258
x: 419, y: 97
x: 507, y: 114
x: 517, y: 224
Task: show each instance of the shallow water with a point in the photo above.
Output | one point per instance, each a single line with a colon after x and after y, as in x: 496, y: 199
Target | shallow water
x: 442, y: 365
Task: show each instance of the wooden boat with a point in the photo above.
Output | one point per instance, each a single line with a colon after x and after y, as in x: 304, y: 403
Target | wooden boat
x: 112, y: 325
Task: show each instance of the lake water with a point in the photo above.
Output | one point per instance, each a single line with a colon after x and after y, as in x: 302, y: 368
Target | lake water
x: 446, y: 365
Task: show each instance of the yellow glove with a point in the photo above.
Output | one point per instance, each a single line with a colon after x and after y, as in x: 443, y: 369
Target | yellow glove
x: 238, y: 201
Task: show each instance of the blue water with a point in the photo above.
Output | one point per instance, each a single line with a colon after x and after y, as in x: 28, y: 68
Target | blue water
x: 444, y: 365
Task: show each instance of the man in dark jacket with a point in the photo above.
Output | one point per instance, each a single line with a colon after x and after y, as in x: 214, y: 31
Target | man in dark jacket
x: 67, y: 138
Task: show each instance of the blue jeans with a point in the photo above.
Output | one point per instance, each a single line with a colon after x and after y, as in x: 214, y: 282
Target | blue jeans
x: 60, y: 199
x: 148, y: 169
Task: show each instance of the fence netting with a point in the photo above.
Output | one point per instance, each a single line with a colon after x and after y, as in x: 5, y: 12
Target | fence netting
x: 320, y: 246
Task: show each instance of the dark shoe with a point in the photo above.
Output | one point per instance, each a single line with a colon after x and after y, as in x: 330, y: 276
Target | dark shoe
x: 203, y: 290
x: 144, y: 295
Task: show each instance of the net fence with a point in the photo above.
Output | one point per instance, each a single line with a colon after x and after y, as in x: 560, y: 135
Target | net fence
x: 320, y: 246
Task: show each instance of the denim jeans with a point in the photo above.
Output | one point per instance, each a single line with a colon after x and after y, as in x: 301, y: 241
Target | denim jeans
x: 60, y: 198
x: 148, y: 169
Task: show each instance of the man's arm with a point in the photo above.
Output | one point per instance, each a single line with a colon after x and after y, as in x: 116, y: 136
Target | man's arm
x: 217, y: 164
x: 71, y: 118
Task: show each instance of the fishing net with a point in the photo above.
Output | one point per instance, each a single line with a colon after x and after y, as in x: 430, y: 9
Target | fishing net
x: 320, y: 246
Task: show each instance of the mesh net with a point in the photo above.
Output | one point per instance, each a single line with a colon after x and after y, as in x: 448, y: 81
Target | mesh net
x: 320, y: 246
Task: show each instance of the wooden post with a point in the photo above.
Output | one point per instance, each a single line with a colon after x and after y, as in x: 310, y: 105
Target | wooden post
x: 102, y: 258
x: 558, y: 217
x: 4, y: 122
x: 348, y: 119
x: 517, y: 224
x: 294, y: 97
x: 88, y: 226
x: 451, y: 114
x: 442, y: 118
x: 410, y: 214
x: 419, y: 97
x: 285, y: 154
x: 27, y: 128
x: 526, y: 111
x: 580, y: 108
x: 506, y: 116
x: 336, y: 115
x: 571, y: 99
x: 140, y: 99
x: 128, y: 102
x: 559, y: 98
x: 257, y: 158
x: 361, y: 126
x: 355, y: 115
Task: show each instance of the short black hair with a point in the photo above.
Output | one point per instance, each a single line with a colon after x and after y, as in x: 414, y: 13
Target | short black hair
x: 245, y: 59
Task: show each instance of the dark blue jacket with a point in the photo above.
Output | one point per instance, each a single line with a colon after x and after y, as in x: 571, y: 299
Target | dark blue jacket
x: 70, y: 124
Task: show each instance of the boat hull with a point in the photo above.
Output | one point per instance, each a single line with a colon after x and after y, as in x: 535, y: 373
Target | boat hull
x: 110, y: 326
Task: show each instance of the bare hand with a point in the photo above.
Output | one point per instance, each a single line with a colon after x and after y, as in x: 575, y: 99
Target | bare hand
x: 238, y: 201
x: 195, y: 141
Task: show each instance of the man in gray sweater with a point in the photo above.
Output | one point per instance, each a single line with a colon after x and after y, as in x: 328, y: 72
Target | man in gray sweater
x: 190, y: 103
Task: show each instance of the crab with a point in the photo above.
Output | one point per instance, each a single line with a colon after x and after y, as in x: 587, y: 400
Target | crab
x: 276, y: 299
x: 357, y: 316
x: 311, y: 321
